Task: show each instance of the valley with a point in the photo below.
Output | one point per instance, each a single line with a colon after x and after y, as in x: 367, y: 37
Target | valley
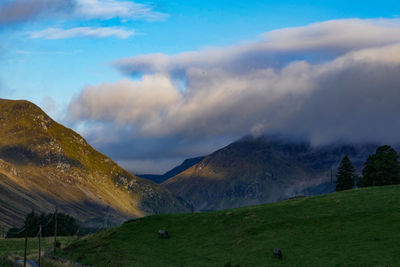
x: 199, y: 133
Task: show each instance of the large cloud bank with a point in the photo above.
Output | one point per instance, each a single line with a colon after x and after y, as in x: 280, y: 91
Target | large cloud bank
x: 336, y: 80
x: 331, y: 80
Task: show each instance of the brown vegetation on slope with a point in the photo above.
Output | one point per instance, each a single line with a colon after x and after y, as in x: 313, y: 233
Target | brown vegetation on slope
x: 44, y: 164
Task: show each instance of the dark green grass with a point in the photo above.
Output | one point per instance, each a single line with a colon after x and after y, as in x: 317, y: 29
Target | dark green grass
x: 16, y: 246
x: 351, y: 228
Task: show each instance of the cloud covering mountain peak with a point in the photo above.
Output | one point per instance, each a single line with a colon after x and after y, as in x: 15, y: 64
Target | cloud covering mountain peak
x: 328, y: 81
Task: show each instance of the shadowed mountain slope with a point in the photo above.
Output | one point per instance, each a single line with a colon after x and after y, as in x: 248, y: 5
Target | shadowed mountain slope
x: 44, y: 164
x: 261, y: 170
x: 186, y: 164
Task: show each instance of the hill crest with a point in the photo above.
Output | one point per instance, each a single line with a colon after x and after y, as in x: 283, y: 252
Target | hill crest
x: 44, y: 164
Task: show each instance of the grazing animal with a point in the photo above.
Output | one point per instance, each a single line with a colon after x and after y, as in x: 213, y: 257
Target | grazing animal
x: 277, y: 253
x: 163, y: 234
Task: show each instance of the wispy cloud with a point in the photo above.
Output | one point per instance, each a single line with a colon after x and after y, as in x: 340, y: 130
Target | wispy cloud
x: 101, y: 32
x: 21, y: 11
x: 107, y: 9
x: 22, y: 52
x: 275, y: 49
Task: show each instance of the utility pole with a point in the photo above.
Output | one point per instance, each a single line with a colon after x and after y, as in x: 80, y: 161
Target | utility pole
x: 40, y: 245
x: 26, y: 244
x: 55, y: 230
x: 331, y: 180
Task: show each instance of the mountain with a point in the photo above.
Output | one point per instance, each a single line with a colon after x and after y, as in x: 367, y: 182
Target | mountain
x: 186, y: 164
x: 44, y: 164
x: 261, y: 170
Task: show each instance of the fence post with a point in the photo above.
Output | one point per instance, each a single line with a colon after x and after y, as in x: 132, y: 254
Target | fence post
x: 40, y: 245
x: 26, y: 245
x: 55, y: 231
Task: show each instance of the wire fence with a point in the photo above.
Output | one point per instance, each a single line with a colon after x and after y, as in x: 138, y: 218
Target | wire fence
x: 101, y: 225
x: 52, y: 216
x: 20, y: 231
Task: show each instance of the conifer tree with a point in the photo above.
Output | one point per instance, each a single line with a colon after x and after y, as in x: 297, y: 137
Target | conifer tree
x: 345, y: 175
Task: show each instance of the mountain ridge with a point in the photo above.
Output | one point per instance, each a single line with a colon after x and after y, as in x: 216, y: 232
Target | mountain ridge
x: 44, y: 164
x: 186, y: 164
x: 256, y: 170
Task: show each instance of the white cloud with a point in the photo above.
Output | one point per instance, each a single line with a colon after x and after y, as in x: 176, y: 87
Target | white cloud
x: 144, y: 100
x: 335, y: 35
x: 18, y: 11
x: 22, y: 11
x: 107, y: 9
x: 275, y: 49
x: 326, y: 81
x: 23, y: 52
x: 101, y: 32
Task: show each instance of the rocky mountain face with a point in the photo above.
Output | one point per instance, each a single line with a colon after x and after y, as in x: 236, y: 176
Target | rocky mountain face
x: 186, y: 164
x: 260, y: 170
x: 44, y: 164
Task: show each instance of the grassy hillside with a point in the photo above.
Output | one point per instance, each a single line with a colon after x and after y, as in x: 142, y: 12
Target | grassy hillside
x: 16, y: 246
x: 351, y: 228
x: 44, y: 164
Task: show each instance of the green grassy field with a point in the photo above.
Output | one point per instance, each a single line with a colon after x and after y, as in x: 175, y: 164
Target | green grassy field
x: 352, y: 228
x: 15, y: 246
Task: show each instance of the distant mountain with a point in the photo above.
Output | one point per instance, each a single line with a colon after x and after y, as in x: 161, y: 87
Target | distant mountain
x: 186, y: 164
x: 44, y: 164
x: 260, y: 170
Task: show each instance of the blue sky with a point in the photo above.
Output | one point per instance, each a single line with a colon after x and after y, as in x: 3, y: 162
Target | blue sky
x: 52, y: 67
x: 60, y: 68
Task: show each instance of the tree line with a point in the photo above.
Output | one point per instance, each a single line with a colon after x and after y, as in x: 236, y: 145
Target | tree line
x: 381, y: 168
x: 66, y: 225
